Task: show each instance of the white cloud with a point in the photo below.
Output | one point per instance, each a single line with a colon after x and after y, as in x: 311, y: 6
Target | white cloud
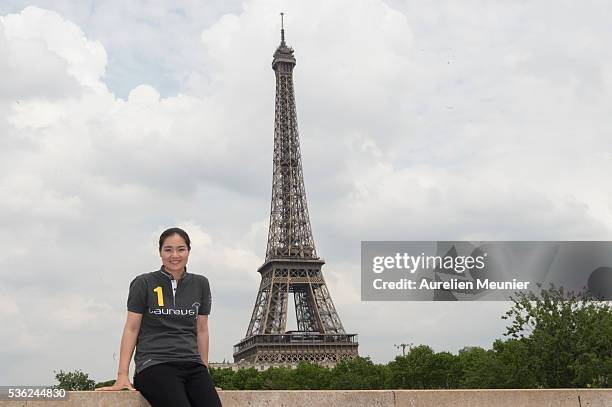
x: 38, y: 30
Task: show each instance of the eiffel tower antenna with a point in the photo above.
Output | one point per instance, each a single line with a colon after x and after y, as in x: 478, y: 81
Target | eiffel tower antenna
x: 292, y: 265
x: 282, y: 29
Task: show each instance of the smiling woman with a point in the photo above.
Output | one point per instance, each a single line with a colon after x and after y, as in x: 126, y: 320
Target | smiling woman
x: 169, y: 331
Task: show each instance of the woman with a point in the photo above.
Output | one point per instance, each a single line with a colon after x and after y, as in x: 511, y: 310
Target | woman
x: 167, y: 322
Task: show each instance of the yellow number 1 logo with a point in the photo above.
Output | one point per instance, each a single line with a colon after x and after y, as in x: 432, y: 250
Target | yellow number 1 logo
x: 160, y: 296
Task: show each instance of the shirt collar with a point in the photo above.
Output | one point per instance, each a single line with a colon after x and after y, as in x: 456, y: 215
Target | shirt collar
x: 170, y: 276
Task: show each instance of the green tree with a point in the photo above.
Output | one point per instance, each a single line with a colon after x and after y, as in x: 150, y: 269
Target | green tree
x: 358, y: 373
x: 309, y: 376
x: 568, y: 337
x: 480, y: 368
x: 421, y: 368
x: 223, y: 378
x: 515, y: 367
x: 445, y: 371
x: 106, y: 383
x: 247, y: 379
x: 278, y: 378
x: 593, y: 359
x: 74, y: 381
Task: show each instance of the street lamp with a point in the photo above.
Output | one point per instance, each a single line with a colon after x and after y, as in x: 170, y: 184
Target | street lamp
x: 403, y: 346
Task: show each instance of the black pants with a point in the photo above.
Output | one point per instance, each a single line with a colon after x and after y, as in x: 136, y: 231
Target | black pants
x: 177, y: 384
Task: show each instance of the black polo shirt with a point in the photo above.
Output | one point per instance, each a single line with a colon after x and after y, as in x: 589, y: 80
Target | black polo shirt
x: 169, y: 308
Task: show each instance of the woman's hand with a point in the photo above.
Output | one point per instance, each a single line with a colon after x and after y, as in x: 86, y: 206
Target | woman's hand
x: 122, y: 382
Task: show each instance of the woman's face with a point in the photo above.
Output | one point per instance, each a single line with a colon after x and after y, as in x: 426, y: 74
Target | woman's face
x: 174, y: 253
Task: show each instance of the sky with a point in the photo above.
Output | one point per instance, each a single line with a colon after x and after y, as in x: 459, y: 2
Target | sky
x: 418, y: 121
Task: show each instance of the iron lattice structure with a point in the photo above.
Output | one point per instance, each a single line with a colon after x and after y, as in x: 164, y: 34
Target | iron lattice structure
x: 292, y: 265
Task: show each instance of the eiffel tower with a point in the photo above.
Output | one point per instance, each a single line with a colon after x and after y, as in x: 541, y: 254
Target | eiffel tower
x: 292, y: 265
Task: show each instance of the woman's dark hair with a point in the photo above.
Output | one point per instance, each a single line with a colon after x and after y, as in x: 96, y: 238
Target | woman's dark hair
x: 174, y: 231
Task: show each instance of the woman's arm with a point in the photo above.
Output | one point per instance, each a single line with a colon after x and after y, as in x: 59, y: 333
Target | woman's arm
x: 203, y: 338
x: 128, y: 343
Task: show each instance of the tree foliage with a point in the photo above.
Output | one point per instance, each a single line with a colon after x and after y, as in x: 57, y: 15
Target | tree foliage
x: 422, y: 368
x: 567, y: 338
x: 74, y: 381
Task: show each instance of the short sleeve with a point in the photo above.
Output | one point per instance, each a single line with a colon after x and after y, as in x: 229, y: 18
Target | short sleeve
x: 206, y: 298
x: 137, y: 297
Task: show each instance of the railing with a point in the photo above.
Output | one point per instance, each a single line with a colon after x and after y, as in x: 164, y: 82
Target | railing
x: 298, y: 338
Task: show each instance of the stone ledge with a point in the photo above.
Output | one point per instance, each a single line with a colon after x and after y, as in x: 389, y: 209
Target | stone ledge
x: 356, y: 398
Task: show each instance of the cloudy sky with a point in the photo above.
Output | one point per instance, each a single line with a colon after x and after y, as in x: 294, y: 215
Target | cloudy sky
x: 418, y: 121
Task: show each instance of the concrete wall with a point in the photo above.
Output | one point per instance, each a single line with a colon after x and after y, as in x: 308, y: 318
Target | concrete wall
x: 359, y: 398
